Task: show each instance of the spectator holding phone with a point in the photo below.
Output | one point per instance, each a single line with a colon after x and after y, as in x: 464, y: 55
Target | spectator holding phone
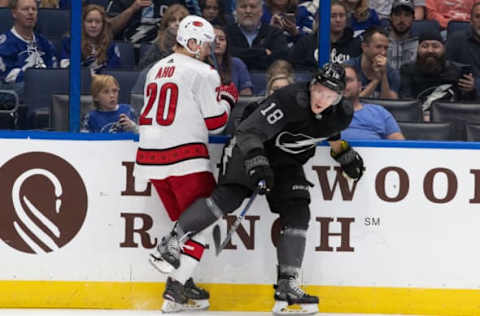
x: 283, y: 15
x: 433, y: 77
x: 464, y: 46
x: 108, y: 116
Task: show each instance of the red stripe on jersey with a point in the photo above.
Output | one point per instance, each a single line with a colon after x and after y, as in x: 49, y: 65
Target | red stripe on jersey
x: 215, y: 122
x: 172, y: 155
x: 193, y: 249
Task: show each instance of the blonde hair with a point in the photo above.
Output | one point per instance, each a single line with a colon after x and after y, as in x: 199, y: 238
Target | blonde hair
x: 100, y: 82
x: 279, y: 69
x: 102, y: 41
x: 289, y: 77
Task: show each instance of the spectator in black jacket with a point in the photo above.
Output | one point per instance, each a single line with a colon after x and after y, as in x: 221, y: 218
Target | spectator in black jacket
x: 343, y: 45
x: 464, y: 46
x: 433, y: 77
x: 256, y: 43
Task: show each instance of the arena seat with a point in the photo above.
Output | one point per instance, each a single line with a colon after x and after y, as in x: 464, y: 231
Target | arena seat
x: 59, y: 110
x: 403, y: 110
x: 126, y: 79
x: 454, y: 26
x: 259, y: 80
x: 459, y: 113
x: 9, y: 104
x: 427, y: 131
x: 40, y: 84
x: 420, y: 26
x: 7, y: 20
x: 127, y: 54
x: 473, y: 132
x: 53, y: 23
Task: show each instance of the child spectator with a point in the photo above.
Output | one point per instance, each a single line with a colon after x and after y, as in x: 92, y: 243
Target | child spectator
x: 98, y: 49
x: 231, y: 69
x: 108, y: 116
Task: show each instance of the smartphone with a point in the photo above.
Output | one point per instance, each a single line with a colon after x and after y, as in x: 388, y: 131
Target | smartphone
x: 466, y: 69
x: 291, y: 17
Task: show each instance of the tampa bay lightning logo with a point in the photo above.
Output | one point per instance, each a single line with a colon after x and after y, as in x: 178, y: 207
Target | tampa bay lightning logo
x: 296, y: 143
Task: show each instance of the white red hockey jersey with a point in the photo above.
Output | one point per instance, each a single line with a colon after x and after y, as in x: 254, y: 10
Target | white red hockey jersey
x: 181, y: 107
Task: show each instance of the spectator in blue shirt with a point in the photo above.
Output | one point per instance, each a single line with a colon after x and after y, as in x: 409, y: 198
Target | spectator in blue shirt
x: 379, y: 80
x: 108, y: 116
x: 98, y: 49
x: 21, y: 48
x: 370, y: 121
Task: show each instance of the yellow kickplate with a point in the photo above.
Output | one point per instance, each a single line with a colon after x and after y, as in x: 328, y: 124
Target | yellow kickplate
x: 239, y: 297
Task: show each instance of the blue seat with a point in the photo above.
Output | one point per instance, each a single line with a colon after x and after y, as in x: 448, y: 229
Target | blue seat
x: 53, y: 23
x: 7, y: 20
x: 127, y: 53
x: 259, y: 80
x: 421, y: 26
x: 40, y: 85
x: 126, y: 79
x: 454, y: 26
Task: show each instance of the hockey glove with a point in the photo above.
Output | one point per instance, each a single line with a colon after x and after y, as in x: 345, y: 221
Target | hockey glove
x: 350, y: 161
x: 228, y: 93
x: 258, y: 168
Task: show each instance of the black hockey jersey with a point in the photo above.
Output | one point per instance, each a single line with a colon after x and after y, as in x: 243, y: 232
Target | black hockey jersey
x: 284, y: 126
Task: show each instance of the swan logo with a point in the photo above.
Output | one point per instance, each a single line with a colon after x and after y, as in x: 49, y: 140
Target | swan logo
x: 44, y: 202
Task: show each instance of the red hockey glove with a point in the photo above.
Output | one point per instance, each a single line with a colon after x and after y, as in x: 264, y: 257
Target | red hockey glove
x: 228, y: 93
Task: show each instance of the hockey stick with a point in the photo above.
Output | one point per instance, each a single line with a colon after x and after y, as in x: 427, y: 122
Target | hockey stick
x: 216, y: 229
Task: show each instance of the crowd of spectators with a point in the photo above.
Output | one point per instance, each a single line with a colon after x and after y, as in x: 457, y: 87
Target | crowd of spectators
x: 391, y: 59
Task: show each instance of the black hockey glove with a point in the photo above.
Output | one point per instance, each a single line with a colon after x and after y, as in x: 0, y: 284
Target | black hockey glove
x: 258, y: 168
x: 350, y: 161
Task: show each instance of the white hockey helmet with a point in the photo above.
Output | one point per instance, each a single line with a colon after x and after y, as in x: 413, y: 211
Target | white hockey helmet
x: 197, y: 28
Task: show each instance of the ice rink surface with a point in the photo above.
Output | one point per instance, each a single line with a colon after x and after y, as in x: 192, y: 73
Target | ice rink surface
x: 84, y: 312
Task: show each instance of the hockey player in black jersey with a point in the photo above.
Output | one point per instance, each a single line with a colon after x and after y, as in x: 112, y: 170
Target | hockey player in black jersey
x: 272, y: 144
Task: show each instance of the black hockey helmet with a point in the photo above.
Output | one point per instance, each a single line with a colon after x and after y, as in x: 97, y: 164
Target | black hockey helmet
x: 332, y: 76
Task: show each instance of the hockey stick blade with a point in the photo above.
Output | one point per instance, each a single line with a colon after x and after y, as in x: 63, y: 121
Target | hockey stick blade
x: 216, y: 230
x: 216, y: 239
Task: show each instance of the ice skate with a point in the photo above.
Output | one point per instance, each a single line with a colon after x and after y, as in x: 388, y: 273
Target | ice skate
x: 174, y: 297
x: 197, y: 298
x: 166, y: 257
x: 290, y: 299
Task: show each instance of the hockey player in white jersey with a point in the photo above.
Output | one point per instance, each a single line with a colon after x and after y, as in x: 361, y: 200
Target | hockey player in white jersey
x: 184, y: 101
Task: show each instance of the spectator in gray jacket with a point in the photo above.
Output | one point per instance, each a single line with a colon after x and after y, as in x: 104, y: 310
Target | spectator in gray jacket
x: 403, y: 45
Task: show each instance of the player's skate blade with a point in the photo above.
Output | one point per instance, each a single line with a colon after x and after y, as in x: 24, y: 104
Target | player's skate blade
x: 195, y: 305
x: 160, y: 265
x: 171, y: 307
x: 282, y: 308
